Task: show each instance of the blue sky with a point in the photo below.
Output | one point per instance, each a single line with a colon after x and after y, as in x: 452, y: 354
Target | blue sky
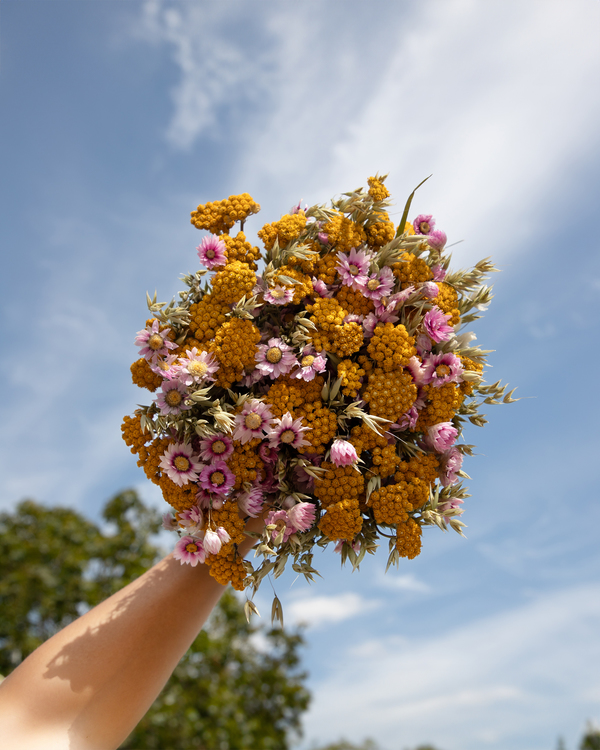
x: 117, y: 119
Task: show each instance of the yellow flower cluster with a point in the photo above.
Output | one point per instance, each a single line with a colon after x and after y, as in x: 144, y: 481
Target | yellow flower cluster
x: 390, y: 394
x: 377, y: 190
x: 229, y: 518
x: 380, y: 231
x: 327, y: 315
x: 350, y: 372
x: 391, y: 346
x: 447, y: 301
x: 288, y: 228
x: 411, y: 270
x: 235, y: 345
x: 342, y: 520
x: 325, y: 268
x: 238, y: 248
x: 338, y: 481
x: 346, y: 339
x: 219, y: 216
x: 234, y: 281
x: 149, y: 457
x: 302, y: 289
x: 408, y: 539
x: 289, y: 394
x: 180, y: 498
x: 142, y: 375
x: 206, y: 316
x: 354, y: 302
x: 245, y: 463
x: 390, y: 504
x: 468, y: 364
x: 441, y: 405
x: 322, y: 423
x: 344, y: 233
x: 227, y: 567
x: 423, y: 466
x: 385, y: 460
x: 132, y: 433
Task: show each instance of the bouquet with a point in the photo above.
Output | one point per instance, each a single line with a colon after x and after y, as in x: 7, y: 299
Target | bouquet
x: 325, y: 391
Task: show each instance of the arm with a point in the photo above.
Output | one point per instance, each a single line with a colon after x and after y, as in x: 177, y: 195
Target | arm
x: 87, y: 687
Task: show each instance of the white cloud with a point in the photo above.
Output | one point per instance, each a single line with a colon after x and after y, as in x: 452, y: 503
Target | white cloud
x: 406, y: 582
x: 496, y: 681
x: 325, y: 610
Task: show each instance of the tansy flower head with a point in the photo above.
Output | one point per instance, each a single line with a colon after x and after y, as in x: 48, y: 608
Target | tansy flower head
x: 180, y: 464
x: 212, y: 252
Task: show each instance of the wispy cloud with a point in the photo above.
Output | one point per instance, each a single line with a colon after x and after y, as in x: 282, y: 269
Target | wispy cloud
x: 324, y: 610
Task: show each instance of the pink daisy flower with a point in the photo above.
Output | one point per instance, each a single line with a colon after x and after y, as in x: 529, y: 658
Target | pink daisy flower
x: 169, y: 522
x: 429, y: 289
x: 180, y: 463
x: 439, y: 272
x: 353, y: 269
x: 437, y: 239
x: 251, y: 501
x: 442, y: 368
x: 212, y: 252
x: 321, y: 288
x: 216, y: 448
x: 278, y: 295
x: 268, y: 454
x: 379, y: 284
x: 343, y: 453
x: 302, y: 516
x: 392, y: 303
x: 275, y: 358
x: 435, y: 323
x: 287, y: 431
x: 415, y: 367
x: 281, y: 521
x: 165, y: 366
x: 191, y: 519
x: 408, y: 420
x: 441, y: 436
x: 196, y: 367
x: 310, y: 364
x: 172, y: 398
x: 423, y: 224
x: 217, y: 478
x: 153, y: 342
x: 253, y: 421
x: 189, y: 550
x: 451, y: 464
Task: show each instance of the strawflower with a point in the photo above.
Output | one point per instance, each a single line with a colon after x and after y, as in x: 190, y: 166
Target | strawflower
x: 435, y: 324
x: 424, y: 224
x: 287, y: 431
x: 353, y: 269
x: 310, y: 364
x: 282, y: 523
x: 451, y: 464
x: 212, y: 252
x: 217, y: 478
x: 180, y: 463
x: 278, y: 295
x: 302, y: 516
x: 153, y: 342
x: 441, y: 368
x: 216, y: 448
x: 441, y: 436
x: 190, y: 551
x: 196, y: 367
x: 275, y: 358
x: 254, y: 421
x: 343, y: 453
x: 171, y: 400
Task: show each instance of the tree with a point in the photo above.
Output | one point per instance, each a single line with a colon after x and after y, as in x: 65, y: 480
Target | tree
x: 231, y: 690
x: 591, y: 738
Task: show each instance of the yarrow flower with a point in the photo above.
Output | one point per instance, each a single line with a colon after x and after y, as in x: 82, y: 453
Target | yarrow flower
x: 287, y: 431
x: 441, y: 436
x: 212, y: 252
x: 189, y: 550
x: 172, y: 398
x: 302, y: 516
x: 442, y: 368
x: 310, y: 364
x: 353, y: 268
x: 153, y: 342
x: 278, y: 295
x: 196, y: 366
x: 216, y: 447
x: 275, y: 358
x: 217, y: 478
x: 180, y: 463
x: 424, y: 224
x: 343, y: 453
x: 435, y: 324
x: 254, y: 421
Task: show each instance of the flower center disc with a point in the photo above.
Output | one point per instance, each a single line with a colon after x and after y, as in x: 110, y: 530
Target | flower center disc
x: 181, y: 463
x: 442, y: 370
x: 288, y: 436
x: 308, y: 360
x: 424, y: 227
x: 354, y: 270
x: 253, y: 421
x: 217, y: 478
x: 191, y: 547
x: 277, y: 293
x: 210, y: 253
x: 173, y: 398
x: 372, y: 285
x: 218, y: 447
x: 197, y: 368
x: 274, y: 355
x: 155, y: 341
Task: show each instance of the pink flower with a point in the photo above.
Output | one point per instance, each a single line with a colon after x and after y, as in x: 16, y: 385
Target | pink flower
x: 191, y: 519
x: 287, y: 431
x: 437, y: 239
x: 429, y: 289
x: 172, y: 398
x: 408, y: 420
x: 153, y: 342
x: 441, y: 436
x: 216, y: 448
x: 423, y: 344
x: 180, y: 464
x: 321, y: 288
x: 379, y: 284
x: 388, y: 305
x: 323, y: 238
x: 451, y: 464
x: 282, y: 523
x: 442, y: 368
x: 217, y: 478
x: 169, y: 523
x: 268, y: 454
x: 223, y: 534
x: 275, y: 358
x: 278, y: 295
x: 254, y: 421
x: 439, y: 272
x: 340, y: 546
x: 453, y: 504
x: 212, y: 542
x: 415, y: 367
x: 310, y: 364
x: 423, y: 224
x: 343, y: 453
x: 251, y: 501
x: 212, y: 252
x: 165, y: 366
x: 196, y: 366
x: 302, y: 516
x: 435, y: 323
x: 298, y: 207
x: 189, y: 550
x: 353, y: 269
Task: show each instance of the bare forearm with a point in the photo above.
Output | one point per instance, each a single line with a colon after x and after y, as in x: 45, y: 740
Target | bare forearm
x: 93, y: 682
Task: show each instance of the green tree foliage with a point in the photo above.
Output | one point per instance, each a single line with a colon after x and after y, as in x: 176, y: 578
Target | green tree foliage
x: 237, y: 687
x: 591, y: 738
